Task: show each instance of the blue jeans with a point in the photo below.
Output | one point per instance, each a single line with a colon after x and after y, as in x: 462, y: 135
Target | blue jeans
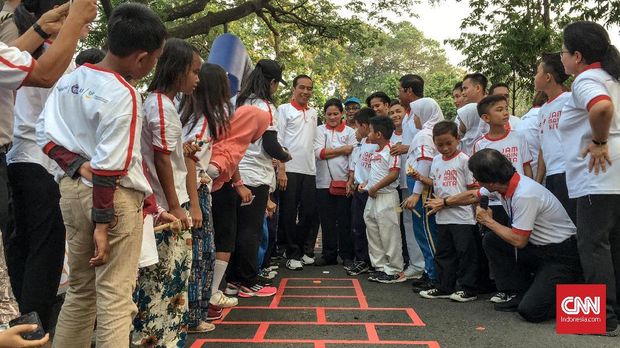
x: 425, y: 230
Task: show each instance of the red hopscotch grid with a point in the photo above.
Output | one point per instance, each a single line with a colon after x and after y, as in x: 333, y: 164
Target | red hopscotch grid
x: 370, y: 328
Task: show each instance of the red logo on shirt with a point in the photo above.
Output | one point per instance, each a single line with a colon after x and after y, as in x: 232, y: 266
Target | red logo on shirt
x: 366, y: 158
x: 580, y: 308
x: 554, y: 119
x: 449, y: 178
x: 512, y: 153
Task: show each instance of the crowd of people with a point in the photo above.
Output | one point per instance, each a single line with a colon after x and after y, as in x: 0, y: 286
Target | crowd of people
x: 174, y: 203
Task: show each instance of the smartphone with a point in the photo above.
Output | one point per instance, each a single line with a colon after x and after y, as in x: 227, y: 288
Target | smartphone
x: 29, y: 319
x: 248, y: 203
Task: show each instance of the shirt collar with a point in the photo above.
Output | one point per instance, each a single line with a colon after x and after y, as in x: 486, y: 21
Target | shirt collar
x: 595, y: 65
x: 299, y: 107
x: 338, y: 128
x: 512, y: 185
x: 451, y: 157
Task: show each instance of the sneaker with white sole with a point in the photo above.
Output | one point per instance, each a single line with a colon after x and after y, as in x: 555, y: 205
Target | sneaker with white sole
x: 264, y: 273
x: 391, y: 278
x: 463, y: 296
x: 232, y: 289
x: 359, y: 267
x: 434, y: 293
x: 214, y: 312
x: 499, y: 297
x: 294, y: 265
x: 411, y: 273
x: 257, y: 290
x: 272, y: 268
x: 222, y: 301
x: 201, y: 327
x: 307, y: 260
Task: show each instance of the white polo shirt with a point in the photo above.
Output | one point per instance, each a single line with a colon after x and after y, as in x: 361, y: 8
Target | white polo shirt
x: 534, y: 211
x: 452, y: 176
x: 360, y: 162
x: 200, y: 132
x: 468, y: 116
x: 95, y: 113
x: 296, y: 130
x: 528, y: 127
x: 409, y: 132
x: 550, y: 135
x: 331, y: 138
x: 381, y: 164
x: 162, y: 132
x: 15, y: 66
x: 256, y: 166
x: 591, y: 86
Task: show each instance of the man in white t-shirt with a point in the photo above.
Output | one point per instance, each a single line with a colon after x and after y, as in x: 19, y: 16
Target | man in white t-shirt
x: 474, y: 89
x: 540, y: 240
x: 297, y: 179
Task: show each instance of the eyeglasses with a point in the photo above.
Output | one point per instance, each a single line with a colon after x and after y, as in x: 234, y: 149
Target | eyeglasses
x: 352, y: 108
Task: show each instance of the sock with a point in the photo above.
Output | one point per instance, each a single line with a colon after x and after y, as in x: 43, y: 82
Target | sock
x: 218, y: 274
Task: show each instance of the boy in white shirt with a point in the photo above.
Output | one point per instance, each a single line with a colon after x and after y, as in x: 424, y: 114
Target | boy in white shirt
x: 456, y: 254
x: 381, y: 212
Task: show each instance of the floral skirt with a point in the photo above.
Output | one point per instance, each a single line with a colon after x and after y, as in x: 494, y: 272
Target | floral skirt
x: 161, y: 293
x: 203, y: 262
x: 9, y: 309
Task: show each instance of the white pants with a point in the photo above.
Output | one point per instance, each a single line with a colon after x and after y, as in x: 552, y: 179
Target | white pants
x: 416, y: 258
x: 385, y: 246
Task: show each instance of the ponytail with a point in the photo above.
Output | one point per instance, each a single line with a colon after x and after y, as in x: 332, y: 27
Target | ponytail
x: 611, y: 62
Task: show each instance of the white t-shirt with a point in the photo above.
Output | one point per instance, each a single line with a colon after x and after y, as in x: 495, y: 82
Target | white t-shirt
x: 528, y: 127
x: 95, y: 113
x: 402, y: 177
x: 331, y: 138
x: 200, y: 132
x: 381, y: 164
x: 468, y: 116
x: 360, y: 160
x: 590, y: 86
x: 296, y: 130
x: 15, y: 66
x: 534, y: 211
x: 452, y: 176
x: 550, y: 136
x: 162, y: 132
x: 256, y: 166
x: 409, y: 132
x: 512, y: 145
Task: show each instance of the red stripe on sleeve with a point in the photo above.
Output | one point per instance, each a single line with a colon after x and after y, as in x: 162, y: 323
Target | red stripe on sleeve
x: 23, y: 68
x: 162, y: 122
x: 596, y: 100
x: 521, y: 232
x: 322, y: 154
x: 134, y: 121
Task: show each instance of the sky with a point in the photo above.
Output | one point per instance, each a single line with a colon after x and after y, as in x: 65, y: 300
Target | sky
x: 441, y: 22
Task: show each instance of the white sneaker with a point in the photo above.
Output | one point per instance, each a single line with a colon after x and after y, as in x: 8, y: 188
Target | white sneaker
x: 411, y: 273
x: 499, y: 297
x: 294, y: 265
x: 307, y: 260
x: 222, y: 301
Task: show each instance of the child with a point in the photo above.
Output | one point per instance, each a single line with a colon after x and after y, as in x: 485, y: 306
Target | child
x: 94, y: 114
x: 380, y: 103
x: 381, y: 213
x: 456, y: 256
x: 359, y: 169
x: 162, y: 149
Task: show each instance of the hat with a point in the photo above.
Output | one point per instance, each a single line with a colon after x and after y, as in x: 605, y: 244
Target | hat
x: 271, y: 69
x: 351, y: 100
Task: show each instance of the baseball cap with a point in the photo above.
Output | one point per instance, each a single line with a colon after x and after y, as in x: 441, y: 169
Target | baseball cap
x: 351, y: 100
x: 271, y: 69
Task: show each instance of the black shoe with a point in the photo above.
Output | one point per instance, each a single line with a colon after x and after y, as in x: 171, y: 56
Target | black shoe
x: 512, y: 305
x: 423, y: 280
x: 323, y: 262
x: 425, y: 286
x: 373, y: 277
x: 348, y: 264
x: 358, y: 268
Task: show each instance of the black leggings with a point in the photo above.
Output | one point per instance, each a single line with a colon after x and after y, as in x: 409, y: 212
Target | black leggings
x: 225, y: 201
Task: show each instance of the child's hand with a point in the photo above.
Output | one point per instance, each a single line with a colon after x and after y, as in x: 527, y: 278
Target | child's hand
x: 196, y: 214
x: 361, y: 187
x: 411, y: 202
x: 86, y: 171
x: 271, y: 208
x: 164, y: 218
x: 191, y: 147
x: 350, y: 188
x: 12, y: 337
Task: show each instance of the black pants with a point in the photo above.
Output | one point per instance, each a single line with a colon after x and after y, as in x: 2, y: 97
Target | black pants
x: 250, y: 219
x: 35, y: 252
x: 598, y: 234
x: 298, y: 217
x: 402, y: 229
x: 224, y: 210
x: 457, y: 257
x: 486, y: 273
x: 534, y: 271
x: 6, y: 216
x: 557, y: 185
x: 358, y: 226
x: 335, y: 213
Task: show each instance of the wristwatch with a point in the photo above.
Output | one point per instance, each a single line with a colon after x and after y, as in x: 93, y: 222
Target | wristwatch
x: 40, y: 31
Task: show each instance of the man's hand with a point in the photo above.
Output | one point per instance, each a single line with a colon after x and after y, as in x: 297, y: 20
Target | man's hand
x: 102, y: 247
x: 179, y: 213
x: 52, y: 20
x: 12, y: 337
x: 196, y: 213
x: 271, y: 208
x: 350, y: 187
x: 434, y: 204
x: 599, y: 157
x: 282, y: 180
x: 372, y: 192
x: 244, y: 193
x: 484, y: 216
x: 86, y: 171
x: 84, y: 11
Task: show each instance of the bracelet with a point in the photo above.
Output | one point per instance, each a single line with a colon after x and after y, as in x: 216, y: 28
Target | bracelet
x: 238, y: 183
x: 445, y: 202
x: 40, y: 31
x: 599, y: 143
